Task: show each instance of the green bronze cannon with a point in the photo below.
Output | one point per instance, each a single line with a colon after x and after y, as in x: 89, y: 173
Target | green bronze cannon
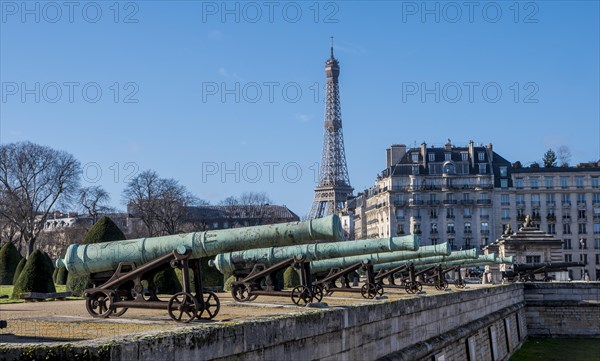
x: 525, y: 272
x: 388, y: 273
x: 119, y: 267
x: 256, y: 270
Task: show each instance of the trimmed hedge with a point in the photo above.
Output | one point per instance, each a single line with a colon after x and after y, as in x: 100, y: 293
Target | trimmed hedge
x: 291, y: 278
x: 105, y: 230
x: 227, y: 284
x: 9, y: 260
x: 61, y: 276
x: 19, y: 269
x: 166, y: 281
x: 36, y: 275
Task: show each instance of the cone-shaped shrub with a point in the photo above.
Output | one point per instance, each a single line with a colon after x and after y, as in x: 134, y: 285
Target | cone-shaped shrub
x: 211, y: 277
x: 9, y: 260
x: 227, y: 284
x: 54, y: 274
x: 61, y: 276
x: 167, y: 282
x: 19, y: 269
x: 36, y: 275
x: 291, y: 278
x: 105, y: 230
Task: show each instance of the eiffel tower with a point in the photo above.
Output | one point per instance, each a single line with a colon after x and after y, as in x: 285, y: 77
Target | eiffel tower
x: 334, y: 183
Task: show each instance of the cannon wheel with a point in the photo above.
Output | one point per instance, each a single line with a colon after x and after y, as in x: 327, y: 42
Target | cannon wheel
x: 317, y: 292
x: 301, y: 294
x: 460, y: 283
x: 241, y: 292
x: 118, y: 312
x: 211, y: 306
x: 413, y: 287
x: 441, y: 285
x: 180, y: 304
x: 379, y: 289
x: 368, y: 290
x: 99, y: 304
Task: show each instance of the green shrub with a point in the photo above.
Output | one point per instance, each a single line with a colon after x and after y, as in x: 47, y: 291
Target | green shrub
x: 54, y: 274
x: 166, y: 281
x: 211, y: 277
x: 105, y: 230
x: 61, y: 276
x: 19, y: 269
x: 291, y: 278
x: 9, y: 260
x: 227, y: 283
x: 36, y: 275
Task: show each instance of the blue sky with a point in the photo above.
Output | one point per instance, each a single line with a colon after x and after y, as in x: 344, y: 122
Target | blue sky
x: 228, y: 97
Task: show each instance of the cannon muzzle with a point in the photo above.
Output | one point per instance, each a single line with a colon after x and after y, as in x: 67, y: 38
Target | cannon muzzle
x: 100, y: 257
x: 470, y: 254
x: 547, y: 265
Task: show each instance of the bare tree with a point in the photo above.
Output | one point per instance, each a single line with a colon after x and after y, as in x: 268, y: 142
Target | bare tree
x: 253, y: 205
x: 33, y: 180
x: 564, y: 155
x: 162, y: 204
x: 94, y: 200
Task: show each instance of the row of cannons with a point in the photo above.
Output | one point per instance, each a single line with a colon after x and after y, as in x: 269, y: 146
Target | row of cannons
x: 254, y: 256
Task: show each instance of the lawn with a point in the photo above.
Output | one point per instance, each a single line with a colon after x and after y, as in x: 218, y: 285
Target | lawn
x: 558, y: 349
x: 7, y: 290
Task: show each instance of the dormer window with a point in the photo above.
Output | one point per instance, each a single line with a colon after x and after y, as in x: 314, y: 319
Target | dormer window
x: 447, y: 156
x: 415, y: 157
x: 449, y: 168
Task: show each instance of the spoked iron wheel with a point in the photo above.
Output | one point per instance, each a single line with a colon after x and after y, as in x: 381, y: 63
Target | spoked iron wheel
x: 441, y: 285
x: 460, y: 283
x: 99, y: 304
x: 182, y: 307
x: 317, y: 293
x: 211, y: 306
x: 301, y: 295
x: 379, y: 289
x: 413, y: 287
x: 368, y: 291
x: 240, y: 292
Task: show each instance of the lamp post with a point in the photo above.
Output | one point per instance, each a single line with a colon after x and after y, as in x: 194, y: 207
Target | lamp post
x: 581, y: 244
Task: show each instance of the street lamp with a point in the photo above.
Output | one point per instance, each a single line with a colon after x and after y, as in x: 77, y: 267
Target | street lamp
x: 581, y: 243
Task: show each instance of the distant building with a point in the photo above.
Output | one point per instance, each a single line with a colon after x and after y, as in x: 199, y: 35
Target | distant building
x: 467, y: 196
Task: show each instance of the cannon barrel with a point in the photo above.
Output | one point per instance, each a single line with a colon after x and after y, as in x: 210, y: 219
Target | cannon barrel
x: 376, y: 258
x: 454, y: 256
x: 482, y: 260
x: 226, y: 263
x: 101, y: 257
x: 548, y: 265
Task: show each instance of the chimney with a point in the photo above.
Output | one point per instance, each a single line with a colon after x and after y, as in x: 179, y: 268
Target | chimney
x: 395, y: 153
x: 424, y: 153
x: 472, y: 153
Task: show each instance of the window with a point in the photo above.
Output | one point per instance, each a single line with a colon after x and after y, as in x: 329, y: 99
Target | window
x: 503, y: 183
x: 399, y: 213
x: 549, y: 182
x: 580, y: 199
x: 597, y: 243
x: 581, y: 214
x: 415, y: 157
x: 503, y: 171
x: 596, y: 228
x: 466, y: 196
x: 450, y: 213
x: 532, y: 259
x: 450, y: 197
x: 534, y: 182
x: 415, y: 169
x: 505, y: 213
x: 583, y: 243
x: 535, y: 200
x: 583, y: 258
x: 564, y: 182
x: 596, y: 198
x: 595, y: 182
x: 466, y: 212
x: 582, y: 228
x: 417, y: 213
x: 434, y: 241
x: 485, y: 226
x: 449, y: 168
x: 433, y: 213
x: 450, y: 227
x: 579, y: 181
x: 480, y: 156
x: 447, y: 156
x: 400, y: 229
x: 464, y: 156
x: 568, y: 258
x: 519, y: 183
x: 567, y: 243
x: 551, y: 228
x: 482, y: 168
x: 431, y: 157
x: 505, y: 199
x: 484, y: 213
x: 467, y: 227
x: 566, y: 199
x: 566, y: 228
x: 550, y: 199
x: 521, y: 200
x: 434, y: 228
x: 597, y: 259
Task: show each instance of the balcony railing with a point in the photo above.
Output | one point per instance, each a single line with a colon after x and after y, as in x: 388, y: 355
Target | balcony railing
x: 467, y: 201
x: 551, y: 204
x: 535, y: 204
x: 484, y: 201
x: 520, y: 204
x: 566, y: 204
x: 413, y: 202
x: 399, y: 203
x: 484, y: 216
x: 485, y: 232
x: 433, y: 203
x: 450, y: 201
